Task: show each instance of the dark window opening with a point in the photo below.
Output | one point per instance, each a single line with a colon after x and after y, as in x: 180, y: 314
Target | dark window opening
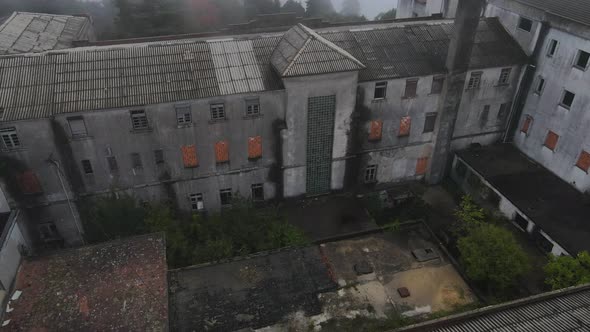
x: 139, y: 120
x: 582, y: 60
x: 217, y: 112
x: 503, y: 113
x: 525, y: 24
x: 567, y: 99
x: 197, y: 202
x: 112, y: 162
x: 552, y: 49
x: 183, y: 115
x: 136, y: 161
x: 159, y: 156
x: 77, y: 126
x: 521, y: 222
x: 411, y: 88
x: 437, y: 84
x: 258, y: 192
x: 474, y: 81
x: 540, y: 85
x: 10, y: 138
x: 380, y: 90
x: 485, y: 114
x: 48, y: 232
x: 225, y: 196
x: 87, y: 167
x: 430, y: 122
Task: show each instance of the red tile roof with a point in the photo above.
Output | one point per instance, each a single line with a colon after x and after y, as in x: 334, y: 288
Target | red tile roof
x: 114, y: 286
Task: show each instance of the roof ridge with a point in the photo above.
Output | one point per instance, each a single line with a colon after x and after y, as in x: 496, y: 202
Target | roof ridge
x: 328, y: 43
x: 296, y: 57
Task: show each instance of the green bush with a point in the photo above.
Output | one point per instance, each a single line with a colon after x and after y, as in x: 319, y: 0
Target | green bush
x: 566, y: 271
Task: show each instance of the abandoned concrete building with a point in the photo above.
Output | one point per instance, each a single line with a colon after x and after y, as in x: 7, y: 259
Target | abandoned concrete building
x: 425, y: 8
x: 286, y: 114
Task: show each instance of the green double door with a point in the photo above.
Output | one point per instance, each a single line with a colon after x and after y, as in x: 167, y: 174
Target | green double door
x: 320, y: 139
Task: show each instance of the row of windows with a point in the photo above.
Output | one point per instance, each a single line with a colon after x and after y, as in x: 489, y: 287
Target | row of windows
x: 551, y: 141
x: 189, y: 156
x: 411, y: 88
x: 376, y: 126
x: 500, y: 118
x: 567, y: 97
x: 225, y: 197
x: 475, y: 78
x: 371, y: 170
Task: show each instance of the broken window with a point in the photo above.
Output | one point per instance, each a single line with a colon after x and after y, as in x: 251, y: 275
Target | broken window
x: 503, y: 113
x: 484, y: 116
x: 526, y: 125
x: 252, y: 107
x: 437, y: 84
x: 430, y: 122
x: 505, y: 76
x: 29, y: 183
x: 197, y: 202
x: 258, y: 192
x: 217, y: 112
x: 77, y: 126
x: 567, y: 99
x: 582, y: 60
x: 584, y: 161
x: 411, y: 88
x: 525, y: 24
x: 380, y: 90
x: 221, y: 152
x: 112, y: 163
x: 540, y: 85
x: 136, y: 161
x: 552, y: 48
x: 159, y: 156
x: 404, y: 126
x: 371, y: 174
x: 376, y: 130
x: 421, y: 166
x: 189, y: 156
x: 48, y: 232
x: 139, y: 120
x: 87, y: 166
x: 255, y: 147
x: 225, y: 196
x: 551, y: 140
x: 183, y: 115
x: 474, y: 80
x: 10, y: 138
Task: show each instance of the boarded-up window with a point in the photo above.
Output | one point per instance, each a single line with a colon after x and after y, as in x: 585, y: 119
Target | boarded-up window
x: 29, y: 183
x: 221, y: 152
x: 404, y: 126
x: 411, y: 88
x: 421, y: 166
x: 189, y: 156
x: 526, y: 125
x: 584, y: 161
x: 255, y: 147
x: 376, y: 130
x: 551, y: 140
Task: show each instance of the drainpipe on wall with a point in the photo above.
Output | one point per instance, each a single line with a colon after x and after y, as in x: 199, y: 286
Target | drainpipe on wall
x: 59, y: 175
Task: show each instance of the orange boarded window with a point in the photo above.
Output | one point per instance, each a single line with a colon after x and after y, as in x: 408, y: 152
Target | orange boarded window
x: 421, y: 166
x: 551, y: 140
x: 222, y: 152
x: 255, y: 147
x: 376, y: 130
x: 404, y: 126
x: 584, y: 161
x: 29, y: 183
x: 526, y: 125
x: 189, y: 156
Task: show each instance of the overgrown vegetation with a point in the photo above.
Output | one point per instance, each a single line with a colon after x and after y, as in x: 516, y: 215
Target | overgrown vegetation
x: 386, y: 214
x: 490, y: 254
x: 567, y: 271
x: 192, y: 239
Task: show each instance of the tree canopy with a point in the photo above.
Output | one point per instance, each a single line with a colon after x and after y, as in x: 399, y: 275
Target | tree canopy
x: 388, y: 15
x: 292, y: 6
x: 319, y: 8
x: 566, y: 271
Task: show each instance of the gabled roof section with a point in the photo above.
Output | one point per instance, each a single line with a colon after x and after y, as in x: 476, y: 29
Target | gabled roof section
x: 573, y: 10
x: 301, y: 51
x: 37, y: 32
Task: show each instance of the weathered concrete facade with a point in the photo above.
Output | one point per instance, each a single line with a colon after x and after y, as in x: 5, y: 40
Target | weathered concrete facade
x: 425, y: 8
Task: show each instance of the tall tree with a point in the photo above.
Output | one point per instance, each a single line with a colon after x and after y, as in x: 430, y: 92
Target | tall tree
x: 292, y: 6
x: 319, y: 8
x: 351, y: 8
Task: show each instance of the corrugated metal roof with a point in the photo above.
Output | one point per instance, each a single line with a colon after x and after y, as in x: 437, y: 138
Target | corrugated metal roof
x: 575, y: 10
x: 37, y: 32
x: 565, y: 310
x: 302, y: 51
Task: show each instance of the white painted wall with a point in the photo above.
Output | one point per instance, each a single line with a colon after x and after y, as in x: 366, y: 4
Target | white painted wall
x: 10, y: 256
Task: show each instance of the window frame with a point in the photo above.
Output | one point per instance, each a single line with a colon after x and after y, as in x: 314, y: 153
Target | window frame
x: 217, y: 112
x: 584, y: 155
x: 540, y: 80
x: 257, y: 187
x: 184, y: 115
x: 136, y: 162
x: 552, y: 48
x: 563, y: 95
x: 474, y: 81
x: 551, y: 133
x: 157, y: 154
x: 10, y: 135
x: 371, y: 173
x: 253, y: 103
x: 505, y: 75
x: 87, y: 167
x: 70, y: 120
x: 195, y: 199
x: 142, y: 120
x: 427, y: 129
x: 522, y: 19
x: 409, y: 83
x: 484, y: 116
x: 380, y: 86
x: 441, y: 83
x: 226, y: 192
x: 504, y: 108
x: 577, y: 60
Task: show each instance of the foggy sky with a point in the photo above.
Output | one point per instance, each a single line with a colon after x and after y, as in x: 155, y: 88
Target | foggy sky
x: 370, y: 8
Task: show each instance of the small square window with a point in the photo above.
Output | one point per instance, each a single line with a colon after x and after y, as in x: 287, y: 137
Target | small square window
x: 525, y: 24
x: 183, y: 115
x: 380, y: 90
x: 582, y: 60
x: 252, y: 107
x: 10, y: 138
x: 552, y: 48
x: 430, y: 122
x: 139, y: 120
x: 225, y: 196
x: 551, y: 140
x: 258, y: 192
x: 87, y: 166
x: 197, y: 202
x: 584, y: 161
x: 526, y: 125
x: 411, y: 88
x: 474, y: 80
x: 217, y: 112
x: 371, y: 174
x: 159, y: 156
x: 540, y: 86
x: 77, y: 126
x: 136, y: 161
x: 567, y: 99
x: 505, y: 76
x: 502, y: 113
x: 112, y: 162
x: 484, y: 116
x: 437, y: 84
